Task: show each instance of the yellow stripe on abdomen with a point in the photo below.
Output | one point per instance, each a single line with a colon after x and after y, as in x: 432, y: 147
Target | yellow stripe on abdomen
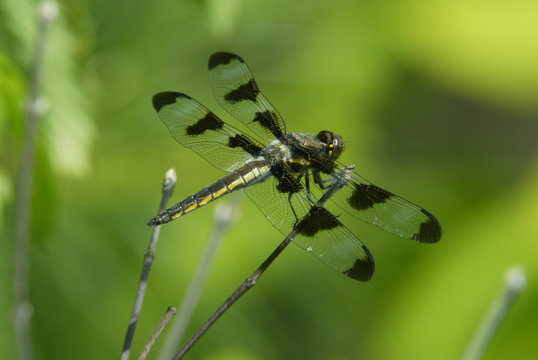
x: 240, y: 178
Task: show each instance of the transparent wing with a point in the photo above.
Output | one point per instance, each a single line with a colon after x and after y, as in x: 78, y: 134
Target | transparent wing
x: 237, y: 92
x: 324, y: 236
x: 197, y: 128
x: 390, y: 212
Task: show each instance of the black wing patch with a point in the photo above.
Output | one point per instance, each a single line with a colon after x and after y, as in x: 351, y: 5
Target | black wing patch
x: 248, y: 91
x: 197, y: 128
x: 236, y: 91
x: 244, y: 142
x: 366, y: 196
x: 220, y: 58
x: 320, y: 219
x: 388, y: 211
x: 208, y: 122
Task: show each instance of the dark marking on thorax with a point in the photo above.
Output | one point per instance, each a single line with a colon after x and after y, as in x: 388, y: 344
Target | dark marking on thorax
x: 287, y: 183
x: 313, y: 154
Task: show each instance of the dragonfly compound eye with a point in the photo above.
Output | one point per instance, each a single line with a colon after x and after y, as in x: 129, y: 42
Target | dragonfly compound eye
x: 336, y: 147
x: 333, y: 143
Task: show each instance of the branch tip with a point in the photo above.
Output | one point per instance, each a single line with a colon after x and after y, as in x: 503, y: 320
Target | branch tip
x: 226, y: 213
x: 48, y: 10
x: 516, y: 279
x: 170, y: 179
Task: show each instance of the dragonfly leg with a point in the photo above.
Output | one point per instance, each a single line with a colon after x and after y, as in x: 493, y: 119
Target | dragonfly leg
x: 307, y: 186
x: 292, y: 209
x: 306, y: 181
x: 323, y: 184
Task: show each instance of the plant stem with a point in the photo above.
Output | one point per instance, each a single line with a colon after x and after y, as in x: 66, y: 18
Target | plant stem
x: 23, y: 308
x: 514, y: 284
x: 168, y: 188
x: 170, y: 312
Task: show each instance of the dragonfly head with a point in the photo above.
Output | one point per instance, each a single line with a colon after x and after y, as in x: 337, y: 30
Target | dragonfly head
x: 332, y: 143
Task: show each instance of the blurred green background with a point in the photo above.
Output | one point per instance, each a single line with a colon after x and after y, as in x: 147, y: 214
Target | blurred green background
x: 436, y: 101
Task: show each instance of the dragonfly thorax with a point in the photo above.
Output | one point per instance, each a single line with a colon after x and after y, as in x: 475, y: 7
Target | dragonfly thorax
x: 277, y: 152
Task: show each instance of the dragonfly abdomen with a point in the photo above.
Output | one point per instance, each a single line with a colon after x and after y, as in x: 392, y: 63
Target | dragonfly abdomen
x: 248, y: 174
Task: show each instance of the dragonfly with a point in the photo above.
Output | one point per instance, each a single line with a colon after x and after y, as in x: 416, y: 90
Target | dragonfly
x: 284, y: 173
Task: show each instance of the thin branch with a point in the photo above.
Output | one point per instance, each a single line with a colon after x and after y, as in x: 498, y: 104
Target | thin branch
x: 340, y: 180
x: 48, y: 10
x: 170, y: 312
x: 224, y: 214
x: 168, y: 188
x: 515, y: 283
